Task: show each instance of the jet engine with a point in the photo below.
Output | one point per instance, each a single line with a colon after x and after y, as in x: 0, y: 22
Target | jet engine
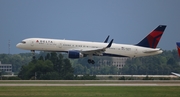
x: 75, y: 54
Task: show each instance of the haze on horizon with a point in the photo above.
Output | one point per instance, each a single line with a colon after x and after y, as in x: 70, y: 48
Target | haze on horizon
x: 126, y: 21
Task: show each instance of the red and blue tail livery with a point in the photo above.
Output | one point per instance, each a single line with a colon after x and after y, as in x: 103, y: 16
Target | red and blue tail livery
x: 178, y: 47
x: 152, y: 40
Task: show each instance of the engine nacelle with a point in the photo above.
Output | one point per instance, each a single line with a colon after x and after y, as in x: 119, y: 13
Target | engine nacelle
x: 75, y: 54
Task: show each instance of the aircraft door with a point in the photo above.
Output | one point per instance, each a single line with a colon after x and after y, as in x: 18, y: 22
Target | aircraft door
x: 136, y: 52
x: 32, y: 43
x: 60, y: 44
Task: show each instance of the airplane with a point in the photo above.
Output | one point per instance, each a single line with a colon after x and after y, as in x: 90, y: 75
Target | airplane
x: 178, y: 47
x: 176, y: 74
x: 79, y: 49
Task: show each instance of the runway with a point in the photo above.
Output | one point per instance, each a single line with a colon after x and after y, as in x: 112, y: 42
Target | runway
x: 90, y: 83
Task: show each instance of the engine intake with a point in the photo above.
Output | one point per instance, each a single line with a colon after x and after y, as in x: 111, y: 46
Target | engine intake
x: 75, y: 54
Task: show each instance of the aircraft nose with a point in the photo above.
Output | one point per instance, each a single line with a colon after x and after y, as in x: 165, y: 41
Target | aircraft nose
x: 18, y: 45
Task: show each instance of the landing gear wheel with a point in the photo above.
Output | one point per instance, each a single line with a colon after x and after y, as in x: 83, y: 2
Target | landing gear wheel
x: 33, y: 57
x: 91, y: 61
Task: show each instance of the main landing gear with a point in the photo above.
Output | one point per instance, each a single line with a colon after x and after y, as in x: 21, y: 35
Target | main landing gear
x: 90, y: 61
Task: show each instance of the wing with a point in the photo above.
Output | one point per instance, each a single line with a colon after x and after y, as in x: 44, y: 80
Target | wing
x: 96, y: 51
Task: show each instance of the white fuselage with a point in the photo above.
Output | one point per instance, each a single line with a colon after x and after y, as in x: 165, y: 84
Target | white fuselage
x: 57, y: 45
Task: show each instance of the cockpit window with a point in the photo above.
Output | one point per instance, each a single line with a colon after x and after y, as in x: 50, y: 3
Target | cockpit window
x: 23, y: 42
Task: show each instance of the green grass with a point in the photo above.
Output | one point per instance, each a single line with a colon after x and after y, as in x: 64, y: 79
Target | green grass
x: 91, y: 91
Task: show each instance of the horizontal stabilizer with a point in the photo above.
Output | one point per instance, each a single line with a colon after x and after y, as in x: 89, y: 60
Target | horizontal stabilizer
x: 176, y: 74
x: 151, y: 51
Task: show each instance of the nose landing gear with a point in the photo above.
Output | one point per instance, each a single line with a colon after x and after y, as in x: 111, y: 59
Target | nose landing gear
x: 33, y: 54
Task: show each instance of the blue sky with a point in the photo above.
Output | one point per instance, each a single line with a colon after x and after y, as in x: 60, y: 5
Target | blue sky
x: 126, y: 21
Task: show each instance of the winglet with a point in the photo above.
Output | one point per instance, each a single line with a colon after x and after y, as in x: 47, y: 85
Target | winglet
x: 109, y: 45
x: 178, y: 47
x: 106, y: 39
x: 153, y: 38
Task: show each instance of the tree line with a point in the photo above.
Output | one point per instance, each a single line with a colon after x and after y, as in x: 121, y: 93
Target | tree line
x: 51, y: 67
x: 17, y: 60
x: 58, y: 66
x: 162, y: 64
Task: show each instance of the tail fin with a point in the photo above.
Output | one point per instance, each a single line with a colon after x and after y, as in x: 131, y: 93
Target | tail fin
x: 153, y: 38
x: 178, y: 47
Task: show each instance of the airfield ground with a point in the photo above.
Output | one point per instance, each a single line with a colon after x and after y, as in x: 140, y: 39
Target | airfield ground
x: 90, y: 88
x: 89, y: 82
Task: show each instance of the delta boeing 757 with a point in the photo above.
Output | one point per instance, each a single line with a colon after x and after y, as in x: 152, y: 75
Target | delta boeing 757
x: 79, y: 49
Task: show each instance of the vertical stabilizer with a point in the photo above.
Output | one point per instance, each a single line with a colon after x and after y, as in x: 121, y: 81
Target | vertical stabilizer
x: 152, y: 40
x: 178, y: 48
